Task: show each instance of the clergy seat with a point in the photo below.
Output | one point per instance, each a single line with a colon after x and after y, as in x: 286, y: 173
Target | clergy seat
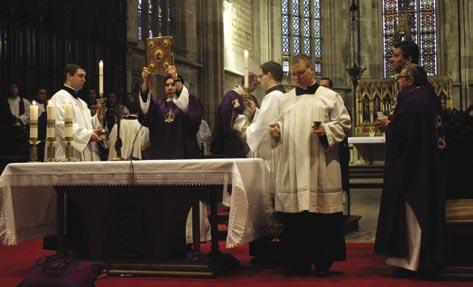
x: 459, y: 217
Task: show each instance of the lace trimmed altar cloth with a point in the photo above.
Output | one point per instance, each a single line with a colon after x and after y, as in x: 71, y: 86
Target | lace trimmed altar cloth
x: 28, y: 200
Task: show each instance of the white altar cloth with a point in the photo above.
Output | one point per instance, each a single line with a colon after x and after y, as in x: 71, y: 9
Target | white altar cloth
x: 28, y: 201
x: 366, y: 140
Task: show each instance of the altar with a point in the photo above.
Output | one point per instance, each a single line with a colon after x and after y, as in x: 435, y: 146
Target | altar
x: 367, y: 150
x: 166, y: 188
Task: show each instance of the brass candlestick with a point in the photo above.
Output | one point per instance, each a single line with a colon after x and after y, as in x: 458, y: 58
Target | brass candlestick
x: 34, y: 149
x: 69, y: 154
x: 51, y: 149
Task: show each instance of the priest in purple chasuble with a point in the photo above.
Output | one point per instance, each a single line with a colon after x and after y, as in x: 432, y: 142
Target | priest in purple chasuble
x: 235, y: 113
x: 173, y: 121
x: 411, y: 228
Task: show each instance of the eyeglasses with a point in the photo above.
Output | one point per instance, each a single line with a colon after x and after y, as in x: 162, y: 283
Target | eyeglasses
x: 300, y: 73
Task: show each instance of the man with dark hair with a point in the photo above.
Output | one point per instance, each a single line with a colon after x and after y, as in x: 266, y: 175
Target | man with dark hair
x: 404, y: 52
x: 19, y: 106
x: 411, y: 229
x: 312, y: 121
x: 85, y: 128
x: 259, y: 141
x: 235, y: 113
x: 326, y: 82
x: 173, y: 120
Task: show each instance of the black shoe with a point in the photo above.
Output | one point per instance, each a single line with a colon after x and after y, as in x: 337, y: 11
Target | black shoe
x: 403, y: 273
x: 299, y: 270
x: 322, y: 273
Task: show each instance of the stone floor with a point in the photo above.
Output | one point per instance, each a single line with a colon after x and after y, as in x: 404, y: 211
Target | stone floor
x: 365, y: 202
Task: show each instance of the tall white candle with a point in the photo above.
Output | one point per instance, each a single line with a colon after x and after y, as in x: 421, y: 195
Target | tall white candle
x: 68, y: 120
x: 245, y: 68
x: 68, y: 112
x: 50, y: 131
x: 34, y: 121
x: 101, y: 78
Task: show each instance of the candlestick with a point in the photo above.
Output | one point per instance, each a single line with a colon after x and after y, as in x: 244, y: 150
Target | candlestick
x: 245, y: 67
x: 101, y: 78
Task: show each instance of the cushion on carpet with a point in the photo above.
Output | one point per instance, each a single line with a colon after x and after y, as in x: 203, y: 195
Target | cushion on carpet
x: 53, y: 271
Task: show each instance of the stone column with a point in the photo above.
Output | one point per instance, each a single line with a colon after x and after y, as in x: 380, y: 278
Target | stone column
x: 210, y: 39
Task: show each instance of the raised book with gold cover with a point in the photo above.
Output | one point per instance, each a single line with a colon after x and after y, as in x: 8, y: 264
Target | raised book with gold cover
x: 159, y: 55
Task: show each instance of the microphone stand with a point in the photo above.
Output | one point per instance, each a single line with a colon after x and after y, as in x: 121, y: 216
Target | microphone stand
x: 118, y: 142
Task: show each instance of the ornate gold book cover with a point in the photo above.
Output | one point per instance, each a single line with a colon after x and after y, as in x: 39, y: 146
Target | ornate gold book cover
x: 159, y: 54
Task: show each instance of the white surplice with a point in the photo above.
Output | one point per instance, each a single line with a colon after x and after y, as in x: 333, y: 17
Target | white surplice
x: 15, y: 109
x: 135, y: 137
x: 259, y: 138
x: 308, y: 176
x: 83, y: 125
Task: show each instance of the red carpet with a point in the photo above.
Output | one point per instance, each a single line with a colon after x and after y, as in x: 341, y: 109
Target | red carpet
x: 362, y: 268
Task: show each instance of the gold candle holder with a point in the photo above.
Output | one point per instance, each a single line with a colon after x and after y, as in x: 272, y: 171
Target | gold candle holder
x: 69, y: 151
x: 34, y: 149
x: 51, y: 149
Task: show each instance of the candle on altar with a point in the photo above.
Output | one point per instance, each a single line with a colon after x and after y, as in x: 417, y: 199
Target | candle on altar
x: 34, y: 121
x: 51, y: 127
x: 101, y: 78
x: 245, y: 68
x: 68, y: 120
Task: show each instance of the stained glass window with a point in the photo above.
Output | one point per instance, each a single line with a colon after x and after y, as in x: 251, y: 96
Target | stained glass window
x: 154, y: 18
x: 300, y: 27
x: 421, y: 18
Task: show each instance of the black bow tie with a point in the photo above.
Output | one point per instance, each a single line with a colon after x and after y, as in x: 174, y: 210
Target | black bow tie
x: 71, y: 91
x: 310, y: 90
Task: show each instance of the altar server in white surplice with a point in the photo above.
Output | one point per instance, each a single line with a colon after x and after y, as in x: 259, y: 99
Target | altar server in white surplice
x: 259, y: 141
x: 134, y: 136
x: 85, y: 128
x: 312, y: 121
x: 257, y: 134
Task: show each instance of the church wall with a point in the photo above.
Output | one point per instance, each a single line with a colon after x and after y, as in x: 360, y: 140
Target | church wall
x: 258, y: 29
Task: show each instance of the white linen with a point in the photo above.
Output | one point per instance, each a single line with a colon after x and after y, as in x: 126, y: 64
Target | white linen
x: 204, y: 137
x: 135, y: 137
x: 308, y: 177
x: 257, y: 134
x: 83, y: 125
x: 366, y: 140
x: 414, y: 235
x: 15, y: 109
x: 22, y: 184
x: 259, y: 139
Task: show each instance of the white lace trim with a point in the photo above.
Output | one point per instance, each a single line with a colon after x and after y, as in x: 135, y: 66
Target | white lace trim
x: 34, y: 177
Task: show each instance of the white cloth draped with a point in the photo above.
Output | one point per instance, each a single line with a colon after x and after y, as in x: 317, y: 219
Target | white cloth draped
x: 308, y: 177
x: 28, y: 205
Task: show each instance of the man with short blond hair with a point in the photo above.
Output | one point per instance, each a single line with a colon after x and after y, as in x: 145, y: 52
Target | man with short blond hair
x: 312, y: 120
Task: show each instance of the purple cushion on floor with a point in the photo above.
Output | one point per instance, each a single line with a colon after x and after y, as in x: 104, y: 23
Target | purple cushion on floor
x: 75, y: 274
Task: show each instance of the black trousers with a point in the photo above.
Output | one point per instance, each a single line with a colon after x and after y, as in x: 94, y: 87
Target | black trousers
x: 314, y: 238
